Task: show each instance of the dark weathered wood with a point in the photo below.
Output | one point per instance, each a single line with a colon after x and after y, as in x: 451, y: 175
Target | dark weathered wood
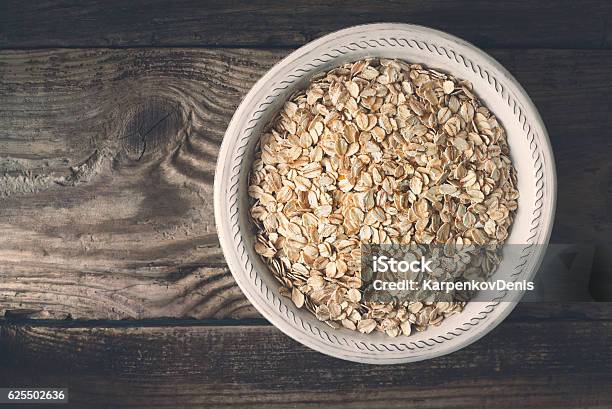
x: 488, y: 23
x: 107, y: 159
x: 518, y: 365
x: 106, y: 166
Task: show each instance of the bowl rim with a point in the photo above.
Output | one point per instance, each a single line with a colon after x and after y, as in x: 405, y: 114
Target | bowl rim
x: 271, y: 307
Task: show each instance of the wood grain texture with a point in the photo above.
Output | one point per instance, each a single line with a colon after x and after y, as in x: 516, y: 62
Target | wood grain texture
x: 518, y: 365
x: 107, y: 161
x: 106, y: 183
x: 487, y: 23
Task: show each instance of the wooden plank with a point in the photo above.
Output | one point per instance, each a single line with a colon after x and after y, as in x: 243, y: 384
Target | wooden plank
x: 108, y: 157
x: 519, y: 365
x: 487, y: 23
x: 108, y: 160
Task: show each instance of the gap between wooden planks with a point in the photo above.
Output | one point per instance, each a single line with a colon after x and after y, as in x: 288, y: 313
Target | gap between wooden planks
x: 548, y: 364
x: 107, y: 160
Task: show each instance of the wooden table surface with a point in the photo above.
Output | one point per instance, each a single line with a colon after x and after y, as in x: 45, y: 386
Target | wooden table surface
x: 112, y: 282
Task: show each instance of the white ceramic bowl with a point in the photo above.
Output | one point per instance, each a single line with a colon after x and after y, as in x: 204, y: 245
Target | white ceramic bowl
x: 530, y: 152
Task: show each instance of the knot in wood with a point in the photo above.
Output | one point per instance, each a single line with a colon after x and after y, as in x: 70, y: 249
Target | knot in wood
x: 151, y: 127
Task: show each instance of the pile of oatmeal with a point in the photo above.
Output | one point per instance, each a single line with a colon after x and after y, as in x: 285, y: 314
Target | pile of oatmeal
x: 376, y: 151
